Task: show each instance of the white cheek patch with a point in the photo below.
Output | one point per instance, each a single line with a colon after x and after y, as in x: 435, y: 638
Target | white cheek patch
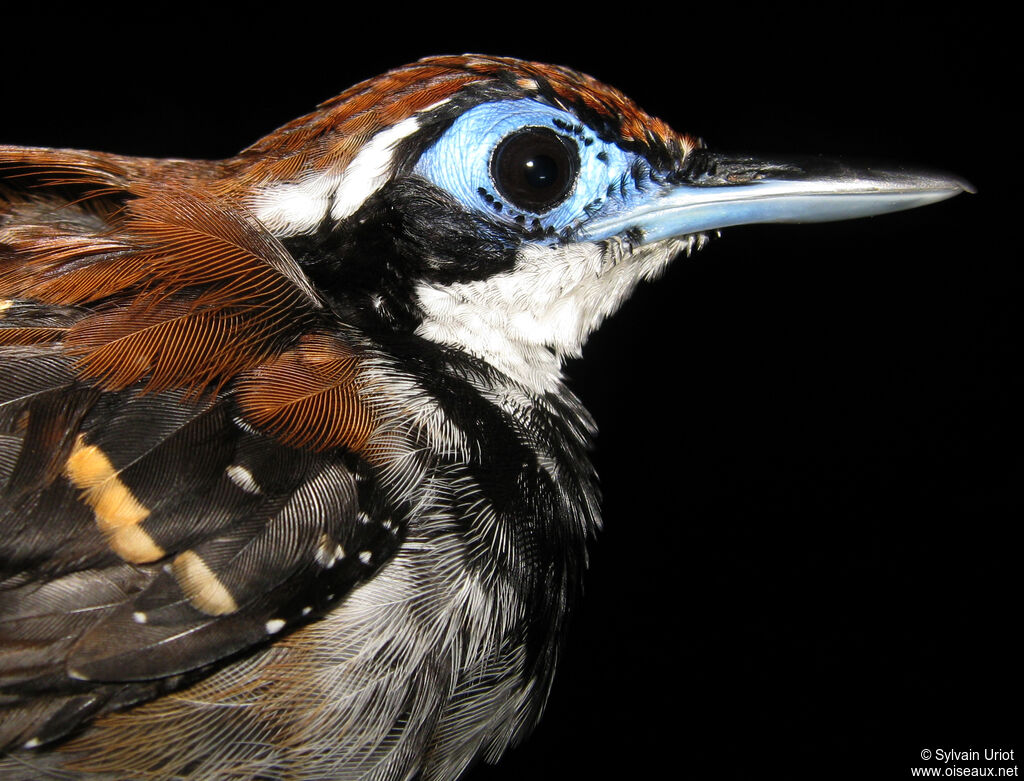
x: 299, y: 207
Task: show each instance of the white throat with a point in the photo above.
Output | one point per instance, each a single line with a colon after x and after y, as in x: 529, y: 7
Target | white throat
x: 527, y: 321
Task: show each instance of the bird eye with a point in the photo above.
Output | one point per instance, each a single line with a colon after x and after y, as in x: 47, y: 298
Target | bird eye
x: 535, y: 169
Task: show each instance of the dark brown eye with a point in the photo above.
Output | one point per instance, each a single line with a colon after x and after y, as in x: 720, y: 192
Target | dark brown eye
x: 534, y: 169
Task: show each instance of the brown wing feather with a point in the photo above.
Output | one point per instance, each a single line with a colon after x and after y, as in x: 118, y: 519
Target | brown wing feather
x: 101, y: 172
x: 194, y: 239
x: 36, y: 335
x: 309, y: 397
x: 173, y: 344
x: 188, y: 289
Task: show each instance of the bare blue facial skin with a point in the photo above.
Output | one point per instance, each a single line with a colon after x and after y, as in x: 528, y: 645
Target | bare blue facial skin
x: 460, y: 162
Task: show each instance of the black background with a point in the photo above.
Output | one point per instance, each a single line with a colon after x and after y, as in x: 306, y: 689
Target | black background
x: 810, y: 435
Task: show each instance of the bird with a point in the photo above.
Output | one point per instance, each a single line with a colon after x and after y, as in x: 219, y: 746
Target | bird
x: 292, y: 483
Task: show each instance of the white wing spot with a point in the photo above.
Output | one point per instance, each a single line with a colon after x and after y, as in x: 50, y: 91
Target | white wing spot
x: 328, y: 552
x: 365, y: 556
x: 139, y: 617
x: 274, y: 626
x: 243, y: 478
x: 307, y: 610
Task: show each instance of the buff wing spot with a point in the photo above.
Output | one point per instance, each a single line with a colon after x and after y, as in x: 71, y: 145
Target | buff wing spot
x: 117, y: 511
x: 201, y: 585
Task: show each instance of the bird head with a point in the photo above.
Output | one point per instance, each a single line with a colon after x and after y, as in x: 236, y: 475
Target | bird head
x: 505, y: 208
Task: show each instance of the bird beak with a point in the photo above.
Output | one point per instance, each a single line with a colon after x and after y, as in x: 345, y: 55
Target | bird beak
x: 717, y: 191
